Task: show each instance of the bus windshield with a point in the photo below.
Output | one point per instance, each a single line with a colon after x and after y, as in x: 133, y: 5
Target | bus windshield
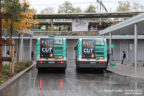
x: 58, y: 41
x: 100, y: 42
x: 88, y: 43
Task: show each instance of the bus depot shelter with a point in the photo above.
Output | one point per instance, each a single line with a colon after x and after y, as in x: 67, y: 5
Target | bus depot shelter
x: 133, y: 27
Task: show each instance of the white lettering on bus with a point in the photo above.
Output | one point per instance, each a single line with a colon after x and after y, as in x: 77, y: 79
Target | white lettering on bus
x: 46, y: 50
x: 86, y: 50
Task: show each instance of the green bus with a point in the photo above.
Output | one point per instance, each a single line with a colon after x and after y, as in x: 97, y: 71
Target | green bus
x: 91, y: 53
x: 51, y: 53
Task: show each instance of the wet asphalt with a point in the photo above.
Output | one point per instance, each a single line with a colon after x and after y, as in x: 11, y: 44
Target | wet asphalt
x: 72, y: 83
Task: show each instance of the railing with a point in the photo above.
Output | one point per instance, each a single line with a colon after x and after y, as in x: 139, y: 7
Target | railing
x: 67, y: 33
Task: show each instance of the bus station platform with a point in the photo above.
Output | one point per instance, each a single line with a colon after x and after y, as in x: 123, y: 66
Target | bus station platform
x: 126, y: 69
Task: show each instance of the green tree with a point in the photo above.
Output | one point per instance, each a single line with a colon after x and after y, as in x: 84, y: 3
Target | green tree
x: 123, y: 6
x: 127, y: 6
x: 137, y: 6
x: 91, y: 9
x: 77, y: 10
x: 34, y: 10
x: 48, y: 10
x: 11, y: 12
x: 66, y: 7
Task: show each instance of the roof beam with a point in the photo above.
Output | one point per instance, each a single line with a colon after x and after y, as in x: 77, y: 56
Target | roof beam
x: 86, y: 15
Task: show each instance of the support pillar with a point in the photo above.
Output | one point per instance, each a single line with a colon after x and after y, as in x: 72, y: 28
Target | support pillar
x: 46, y: 27
x: 51, y: 25
x: 30, y: 48
x: 1, y: 65
x: 103, y: 36
x: 110, y: 42
x: 135, y: 44
x: 5, y: 47
x: 21, y: 51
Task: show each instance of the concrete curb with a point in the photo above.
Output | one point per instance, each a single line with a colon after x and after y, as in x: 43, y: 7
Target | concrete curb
x: 122, y: 74
x: 9, y: 81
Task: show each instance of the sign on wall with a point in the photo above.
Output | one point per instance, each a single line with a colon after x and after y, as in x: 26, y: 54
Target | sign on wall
x: 80, y: 24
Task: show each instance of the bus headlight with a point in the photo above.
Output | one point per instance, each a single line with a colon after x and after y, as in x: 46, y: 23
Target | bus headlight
x: 99, y: 58
x: 58, y: 57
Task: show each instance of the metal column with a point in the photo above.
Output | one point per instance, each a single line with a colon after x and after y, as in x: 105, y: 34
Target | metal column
x: 135, y: 44
x: 5, y: 47
x: 110, y: 42
x: 30, y: 48
x: 21, y: 51
x: 52, y: 25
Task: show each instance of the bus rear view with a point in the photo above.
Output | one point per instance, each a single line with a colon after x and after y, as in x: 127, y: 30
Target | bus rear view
x: 91, y: 53
x: 51, y: 53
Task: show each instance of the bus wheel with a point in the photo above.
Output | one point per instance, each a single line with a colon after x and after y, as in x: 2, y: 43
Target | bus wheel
x: 101, y: 70
x: 77, y: 69
x: 62, y: 70
x: 39, y: 70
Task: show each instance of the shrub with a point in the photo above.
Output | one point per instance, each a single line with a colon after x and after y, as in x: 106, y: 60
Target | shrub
x: 24, y: 64
x: 5, y: 69
x: 18, y: 68
x: 3, y: 78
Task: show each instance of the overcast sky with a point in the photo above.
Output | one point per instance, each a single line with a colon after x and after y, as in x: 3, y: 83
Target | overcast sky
x: 41, y: 4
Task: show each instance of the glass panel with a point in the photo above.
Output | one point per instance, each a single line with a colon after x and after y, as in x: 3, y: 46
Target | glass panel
x: 88, y: 43
x: 100, y: 42
x: 58, y: 41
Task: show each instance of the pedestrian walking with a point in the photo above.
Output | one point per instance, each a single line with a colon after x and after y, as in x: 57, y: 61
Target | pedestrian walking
x: 32, y: 55
x: 124, y: 56
x: 108, y: 57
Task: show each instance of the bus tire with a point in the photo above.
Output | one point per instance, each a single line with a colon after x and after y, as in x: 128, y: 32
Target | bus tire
x: 101, y: 70
x: 39, y: 70
x: 63, y: 70
x: 77, y: 69
x: 105, y: 68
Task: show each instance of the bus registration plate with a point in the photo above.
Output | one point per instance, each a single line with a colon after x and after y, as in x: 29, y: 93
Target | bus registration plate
x: 51, y: 62
x: 92, y: 62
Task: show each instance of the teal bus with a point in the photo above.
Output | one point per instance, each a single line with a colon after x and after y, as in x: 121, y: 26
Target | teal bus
x: 91, y: 53
x: 51, y: 53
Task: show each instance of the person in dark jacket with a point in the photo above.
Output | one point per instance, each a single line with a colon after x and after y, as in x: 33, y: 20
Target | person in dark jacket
x: 32, y: 55
x: 108, y: 57
x: 124, y: 56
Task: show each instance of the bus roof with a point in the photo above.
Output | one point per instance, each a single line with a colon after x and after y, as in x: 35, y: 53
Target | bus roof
x: 55, y: 37
x: 93, y: 38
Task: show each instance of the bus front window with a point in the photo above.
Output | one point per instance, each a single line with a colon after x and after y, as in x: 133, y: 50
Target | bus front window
x: 58, y: 41
x: 100, y: 42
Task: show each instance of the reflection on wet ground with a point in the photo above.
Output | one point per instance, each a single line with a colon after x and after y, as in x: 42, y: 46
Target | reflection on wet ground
x: 71, y: 83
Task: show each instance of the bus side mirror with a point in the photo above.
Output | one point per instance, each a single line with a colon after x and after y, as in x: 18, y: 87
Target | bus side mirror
x: 112, y: 46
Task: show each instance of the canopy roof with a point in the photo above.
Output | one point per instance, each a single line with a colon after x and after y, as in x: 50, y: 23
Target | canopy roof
x: 126, y: 27
x: 86, y: 15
